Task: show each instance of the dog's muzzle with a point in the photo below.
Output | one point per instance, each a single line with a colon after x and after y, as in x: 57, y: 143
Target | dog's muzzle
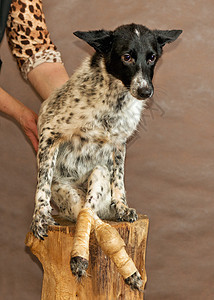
x: 140, y: 88
x: 144, y: 93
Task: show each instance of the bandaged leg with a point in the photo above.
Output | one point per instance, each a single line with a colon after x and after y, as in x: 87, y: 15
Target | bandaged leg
x: 108, y: 237
x: 80, y: 249
x: 98, y: 192
x: 113, y: 245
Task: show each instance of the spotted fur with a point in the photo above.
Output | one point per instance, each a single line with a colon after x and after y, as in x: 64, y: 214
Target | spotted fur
x: 84, y: 127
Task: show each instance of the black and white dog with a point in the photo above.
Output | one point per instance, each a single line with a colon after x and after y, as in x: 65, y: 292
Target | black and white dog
x: 84, y: 126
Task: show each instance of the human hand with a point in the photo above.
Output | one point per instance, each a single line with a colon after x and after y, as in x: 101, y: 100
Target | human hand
x: 28, y: 121
x: 22, y: 114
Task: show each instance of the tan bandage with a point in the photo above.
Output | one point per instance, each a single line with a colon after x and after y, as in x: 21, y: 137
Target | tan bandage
x: 113, y: 245
x: 82, y: 234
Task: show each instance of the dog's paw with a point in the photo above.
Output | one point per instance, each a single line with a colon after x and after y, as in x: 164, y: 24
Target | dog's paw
x: 135, y: 281
x: 40, y: 223
x: 124, y: 213
x: 79, y: 266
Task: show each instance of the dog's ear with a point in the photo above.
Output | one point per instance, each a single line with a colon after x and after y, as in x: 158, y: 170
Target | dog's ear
x: 100, y: 40
x: 167, y: 36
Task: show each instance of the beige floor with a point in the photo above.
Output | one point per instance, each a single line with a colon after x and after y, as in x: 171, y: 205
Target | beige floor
x: 169, y: 167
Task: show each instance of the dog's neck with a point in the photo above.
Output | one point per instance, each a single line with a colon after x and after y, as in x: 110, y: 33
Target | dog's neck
x: 98, y: 64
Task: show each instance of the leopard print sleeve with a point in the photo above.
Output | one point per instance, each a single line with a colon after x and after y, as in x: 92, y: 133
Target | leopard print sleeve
x: 28, y: 36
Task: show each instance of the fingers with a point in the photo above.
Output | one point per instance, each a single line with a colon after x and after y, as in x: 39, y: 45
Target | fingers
x: 32, y: 136
x: 28, y: 121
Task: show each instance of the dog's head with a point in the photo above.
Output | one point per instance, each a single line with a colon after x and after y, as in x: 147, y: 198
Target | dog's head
x: 131, y: 53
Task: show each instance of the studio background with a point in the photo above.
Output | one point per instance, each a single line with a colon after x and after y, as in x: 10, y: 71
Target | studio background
x: 169, y: 166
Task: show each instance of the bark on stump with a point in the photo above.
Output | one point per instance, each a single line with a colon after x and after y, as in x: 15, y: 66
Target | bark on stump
x: 103, y: 281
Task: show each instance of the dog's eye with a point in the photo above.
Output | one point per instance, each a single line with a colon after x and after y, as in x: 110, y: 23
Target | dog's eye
x: 127, y: 58
x: 151, y: 59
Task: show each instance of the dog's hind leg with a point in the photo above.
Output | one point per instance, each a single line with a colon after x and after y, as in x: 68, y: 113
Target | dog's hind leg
x: 80, y: 249
x: 113, y: 245
x: 68, y: 198
x: 97, y: 200
x: 70, y: 201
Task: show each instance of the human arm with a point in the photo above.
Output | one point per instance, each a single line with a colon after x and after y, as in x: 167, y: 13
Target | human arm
x: 37, y: 59
x: 46, y: 77
x: 21, y: 114
x: 30, y: 43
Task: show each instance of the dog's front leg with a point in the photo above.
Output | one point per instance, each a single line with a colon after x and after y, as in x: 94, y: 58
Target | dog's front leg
x: 46, y: 157
x: 119, y: 203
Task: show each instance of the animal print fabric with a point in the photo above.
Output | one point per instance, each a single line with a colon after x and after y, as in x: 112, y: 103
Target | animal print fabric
x: 28, y: 36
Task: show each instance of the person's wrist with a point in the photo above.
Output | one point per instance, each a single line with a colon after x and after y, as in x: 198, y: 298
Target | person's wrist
x: 17, y: 111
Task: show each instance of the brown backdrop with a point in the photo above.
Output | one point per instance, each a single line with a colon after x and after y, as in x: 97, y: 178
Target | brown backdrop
x: 169, y: 167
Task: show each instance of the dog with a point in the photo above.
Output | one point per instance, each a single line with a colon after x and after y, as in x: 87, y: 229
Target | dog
x: 84, y: 126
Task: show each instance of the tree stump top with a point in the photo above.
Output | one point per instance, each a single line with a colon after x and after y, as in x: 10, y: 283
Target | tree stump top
x: 103, y: 281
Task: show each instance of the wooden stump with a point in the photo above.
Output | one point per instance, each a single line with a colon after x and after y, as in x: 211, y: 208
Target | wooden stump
x: 103, y: 281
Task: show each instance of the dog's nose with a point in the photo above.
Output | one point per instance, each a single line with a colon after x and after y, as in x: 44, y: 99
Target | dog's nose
x: 145, y: 92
